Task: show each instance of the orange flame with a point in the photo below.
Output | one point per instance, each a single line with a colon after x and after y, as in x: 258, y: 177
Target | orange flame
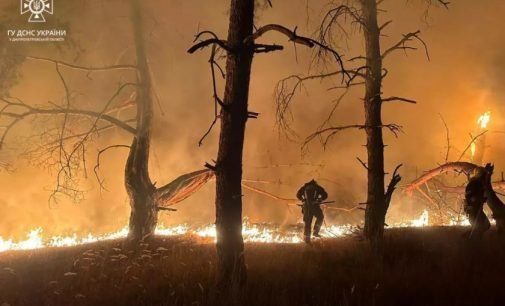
x: 473, y: 149
x: 484, y: 119
x: 251, y: 232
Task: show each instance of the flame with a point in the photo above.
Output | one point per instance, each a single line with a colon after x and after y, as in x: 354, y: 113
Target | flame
x: 472, y: 149
x: 255, y: 233
x: 423, y: 220
x: 461, y: 222
x: 483, y: 122
x: 484, y: 119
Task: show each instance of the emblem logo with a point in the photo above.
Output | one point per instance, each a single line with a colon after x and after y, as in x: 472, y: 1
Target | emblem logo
x: 36, y: 8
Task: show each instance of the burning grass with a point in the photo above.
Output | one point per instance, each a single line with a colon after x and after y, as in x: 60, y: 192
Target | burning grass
x: 428, y: 266
x: 257, y: 233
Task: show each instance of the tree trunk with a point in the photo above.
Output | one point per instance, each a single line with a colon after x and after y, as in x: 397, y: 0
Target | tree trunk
x: 376, y: 206
x: 138, y: 184
x: 231, y: 273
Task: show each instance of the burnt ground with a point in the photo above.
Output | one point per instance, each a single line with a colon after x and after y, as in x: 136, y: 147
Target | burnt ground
x: 428, y: 266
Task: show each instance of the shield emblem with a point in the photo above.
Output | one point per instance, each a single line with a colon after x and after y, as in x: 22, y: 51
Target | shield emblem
x: 36, y: 8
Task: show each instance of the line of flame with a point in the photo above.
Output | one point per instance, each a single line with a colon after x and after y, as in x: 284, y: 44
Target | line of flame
x: 251, y: 233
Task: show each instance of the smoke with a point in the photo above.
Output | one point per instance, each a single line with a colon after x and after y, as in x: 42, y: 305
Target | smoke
x: 462, y: 80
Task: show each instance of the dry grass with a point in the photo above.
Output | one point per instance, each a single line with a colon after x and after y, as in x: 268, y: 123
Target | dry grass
x: 430, y: 266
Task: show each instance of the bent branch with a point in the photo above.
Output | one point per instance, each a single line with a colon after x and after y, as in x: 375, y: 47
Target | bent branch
x: 292, y: 36
x: 458, y: 167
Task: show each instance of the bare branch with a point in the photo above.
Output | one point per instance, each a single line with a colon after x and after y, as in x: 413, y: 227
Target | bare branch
x: 261, y: 48
x: 472, y: 140
x: 250, y: 42
x: 403, y: 44
x: 292, y: 36
x: 50, y: 145
x: 205, y: 43
x: 166, y: 208
x: 362, y: 163
x: 334, y: 108
x: 458, y: 167
x: 32, y: 111
x: 68, y: 158
x: 447, y: 138
x: 444, y: 3
x: 73, y: 66
x: 65, y: 119
x: 390, y: 99
x: 332, y: 131
x: 332, y: 21
x: 382, y: 27
x: 24, y: 110
x: 217, y: 100
x: 395, y: 179
x: 215, y: 40
x: 332, y: 17
x: 284, y: 94
x: 96, y: 169
x: 84, y: 139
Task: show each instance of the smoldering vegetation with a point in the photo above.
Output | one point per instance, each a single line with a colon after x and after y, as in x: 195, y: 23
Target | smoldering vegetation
x: 429, y: 266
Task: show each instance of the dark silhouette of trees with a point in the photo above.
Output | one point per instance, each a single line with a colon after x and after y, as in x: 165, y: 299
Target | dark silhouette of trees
x: 368, y: 72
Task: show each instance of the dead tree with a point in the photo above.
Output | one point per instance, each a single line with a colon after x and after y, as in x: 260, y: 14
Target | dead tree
x: 65, y: 141
x: 369, y: 72
x: 443, y: 198
x: 495, y: 204
x: 141, y: 190
x: 240, y: 48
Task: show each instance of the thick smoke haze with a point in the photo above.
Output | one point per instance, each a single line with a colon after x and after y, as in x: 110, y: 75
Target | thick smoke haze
x: 463, y: 79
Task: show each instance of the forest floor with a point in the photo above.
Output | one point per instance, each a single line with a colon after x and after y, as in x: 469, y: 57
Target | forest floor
x: 420, y: 266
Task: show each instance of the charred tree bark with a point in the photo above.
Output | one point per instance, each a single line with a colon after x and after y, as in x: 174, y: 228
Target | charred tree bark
x: 231, y: 273
x: 376, y: 208
x: 143, y: 216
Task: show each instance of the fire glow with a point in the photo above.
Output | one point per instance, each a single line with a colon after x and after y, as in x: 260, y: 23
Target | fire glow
x: 482, y: 122
x: 484, y: 119
x: 252, y: 233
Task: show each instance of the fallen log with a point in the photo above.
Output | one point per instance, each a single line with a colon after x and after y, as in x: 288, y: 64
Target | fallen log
x: 458, y: 167
x: 495, y: 204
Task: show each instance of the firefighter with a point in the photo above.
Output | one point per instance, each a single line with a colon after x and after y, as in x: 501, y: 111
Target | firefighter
x: 495, y: 204
x: 311, y: 195
x: 475, y: 197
